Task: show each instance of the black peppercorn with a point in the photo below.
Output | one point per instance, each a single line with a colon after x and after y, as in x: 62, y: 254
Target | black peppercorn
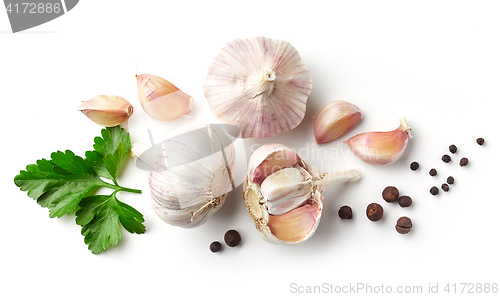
x: 446, y: 158
x: 464, y: 162
x: 480, y: 141
x: 433, y: 172
x: 445, y: 187
x: 404, y: 201
x: 374, y: 212
x: 434, y: 190
x: 453, y: 149
x: 404, y: 225
x: 215, y: 246
x: 345, y: 212
x: 414, y: 166
x: 390, y: 194
x: 450, y: 180
x: 232, y: 238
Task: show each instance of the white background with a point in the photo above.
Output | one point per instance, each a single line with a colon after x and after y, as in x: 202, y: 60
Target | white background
x: 435, y: 62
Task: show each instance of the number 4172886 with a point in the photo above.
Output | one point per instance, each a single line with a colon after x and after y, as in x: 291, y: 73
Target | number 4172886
x: 34, y: 8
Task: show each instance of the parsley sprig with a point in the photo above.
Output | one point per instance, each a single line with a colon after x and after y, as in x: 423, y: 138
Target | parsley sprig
x: 62, y: 184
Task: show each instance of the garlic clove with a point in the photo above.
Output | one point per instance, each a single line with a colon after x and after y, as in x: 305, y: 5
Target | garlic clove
x: 259, y: 85
x: 270, y: 158
x: 381, y: 148
x: 107, y: 111
x: 162, y: 100
x: 295, y: 225
x: 334, y: 119
x: 286, y: 189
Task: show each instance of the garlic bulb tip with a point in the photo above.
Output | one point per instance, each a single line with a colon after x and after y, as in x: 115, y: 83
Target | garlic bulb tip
x: 259, y: 85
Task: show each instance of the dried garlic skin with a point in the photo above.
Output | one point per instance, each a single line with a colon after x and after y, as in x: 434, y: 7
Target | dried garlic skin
x: 381, y: 148
x: 161, y: 99
x: 335, y: 119
x: 107, y: 111
x: 191, y: 176
x: 283, y: 194
x: 259, y: 85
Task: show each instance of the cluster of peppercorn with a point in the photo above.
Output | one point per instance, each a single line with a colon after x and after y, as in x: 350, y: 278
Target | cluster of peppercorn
x: 375, y: 211
x: 390, y: 194
x: 232, y: 238
x: 446, y: 158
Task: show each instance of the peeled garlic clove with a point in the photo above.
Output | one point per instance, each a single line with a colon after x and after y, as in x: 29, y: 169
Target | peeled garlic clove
x: 286, y: 202
x: 381, y: 148
x: 191, y: 174
x: 259, y: 85
x: 160, y: 99
x: 334, y: 119
x: 107, y: 111
x: 286, y: 189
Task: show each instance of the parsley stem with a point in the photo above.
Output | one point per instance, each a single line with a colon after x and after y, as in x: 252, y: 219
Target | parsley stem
x: 118, y: 188
x: 130, y: 190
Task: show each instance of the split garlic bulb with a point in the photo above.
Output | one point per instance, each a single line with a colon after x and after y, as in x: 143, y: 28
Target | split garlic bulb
x: 283, y: 194
x: 259, y: 85
x: 191, y: 174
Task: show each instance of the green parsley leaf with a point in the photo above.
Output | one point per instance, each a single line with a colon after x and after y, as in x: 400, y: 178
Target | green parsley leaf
x: 100, y: 217
x: 109, y: 151
x: 59, y: 184
x: 62, y: 184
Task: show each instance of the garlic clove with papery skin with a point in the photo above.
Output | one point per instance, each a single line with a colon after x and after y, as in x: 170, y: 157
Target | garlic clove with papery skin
x: 335, y: 119
x: 259, y: 85
x: 381, y: 148
x: 262, y: 164
x: 162, y: 100
x: 107, y: 111
x: 285, y: 199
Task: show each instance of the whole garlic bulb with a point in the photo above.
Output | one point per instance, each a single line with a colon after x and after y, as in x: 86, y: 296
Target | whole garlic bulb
x: 191, y: 174
x: 283, y: 194
x: 259, y: 85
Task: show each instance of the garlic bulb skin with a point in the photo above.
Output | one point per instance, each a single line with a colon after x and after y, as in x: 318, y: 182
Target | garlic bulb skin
x: 107, y: 111
x: 191, y: 174
x: 381, y: 148
x: 335, y: 119
x: 283, y: 194
x: 259, y: 85
x: 160, y: 99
